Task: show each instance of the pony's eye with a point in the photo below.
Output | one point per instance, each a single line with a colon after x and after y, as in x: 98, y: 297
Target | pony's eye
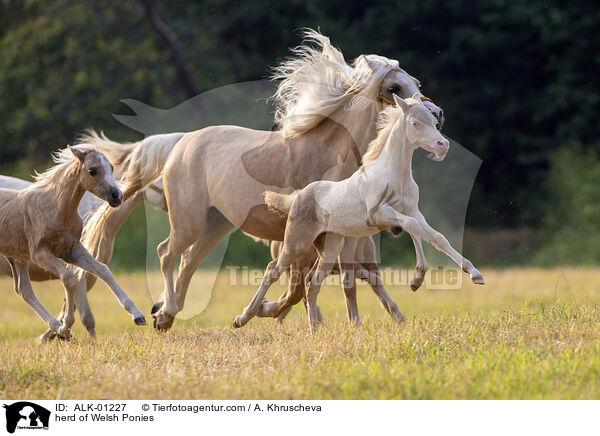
x: 394, y: 89
x: 92, y: 172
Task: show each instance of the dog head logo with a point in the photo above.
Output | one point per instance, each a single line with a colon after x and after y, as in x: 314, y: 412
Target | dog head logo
x: 26, y: 415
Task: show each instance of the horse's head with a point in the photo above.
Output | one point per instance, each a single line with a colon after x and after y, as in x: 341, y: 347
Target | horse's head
x: 96, y: 175
x: 421, y: 126
x: 399, y: 82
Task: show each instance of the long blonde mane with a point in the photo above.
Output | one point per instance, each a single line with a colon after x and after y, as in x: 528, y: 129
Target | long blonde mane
x: 317, y: 81
x: 385, y: 123
x: 63, y: 160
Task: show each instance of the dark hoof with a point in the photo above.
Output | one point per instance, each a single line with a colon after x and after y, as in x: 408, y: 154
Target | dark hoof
x: 140, y: 320
x: 415, y: 285
x: 396, y: 231
x: 157, y: 306
x: 162, y: 321
x: 399, y: 318
x: 478, y: 280
x: 237, y: 322
x: 48, y: 336
x: 67, y: 337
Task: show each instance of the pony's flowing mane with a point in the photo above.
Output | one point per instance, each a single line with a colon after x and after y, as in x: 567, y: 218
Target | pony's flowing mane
x: 385, y: 122
x: 63, y: 160
x: 317, y: 81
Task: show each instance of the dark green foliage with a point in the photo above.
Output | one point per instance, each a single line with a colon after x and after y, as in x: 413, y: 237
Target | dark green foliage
x: 572, y: 224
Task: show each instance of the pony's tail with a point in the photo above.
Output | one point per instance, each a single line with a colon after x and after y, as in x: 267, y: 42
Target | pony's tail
x: 137, y: 164
x: 280, y: 203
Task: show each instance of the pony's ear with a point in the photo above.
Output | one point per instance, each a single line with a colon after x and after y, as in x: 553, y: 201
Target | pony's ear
x: 77, y: 153
x: 400, y: 103
x: 362, y: 60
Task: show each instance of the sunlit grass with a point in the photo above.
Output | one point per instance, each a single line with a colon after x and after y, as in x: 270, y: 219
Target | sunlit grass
x: 528, y: 333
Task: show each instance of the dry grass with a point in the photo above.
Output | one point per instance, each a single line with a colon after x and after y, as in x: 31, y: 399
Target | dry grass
x: 526, y: 334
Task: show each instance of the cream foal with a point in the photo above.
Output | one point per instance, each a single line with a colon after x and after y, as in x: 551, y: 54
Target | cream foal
x: 380, y: 194
x: 41, y: 224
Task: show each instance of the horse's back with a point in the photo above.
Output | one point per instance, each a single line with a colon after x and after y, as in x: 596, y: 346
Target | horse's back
x: 8, y: 182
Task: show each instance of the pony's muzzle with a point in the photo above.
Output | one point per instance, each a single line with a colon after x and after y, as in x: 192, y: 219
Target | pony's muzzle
x: 115, y: 197
x: 441, y: 148
x: 437, y: 112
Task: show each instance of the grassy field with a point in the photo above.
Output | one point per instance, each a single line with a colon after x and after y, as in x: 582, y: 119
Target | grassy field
x: 527, y: 334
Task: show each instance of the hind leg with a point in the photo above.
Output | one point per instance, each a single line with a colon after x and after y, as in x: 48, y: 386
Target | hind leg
x: 371, y: 273
x: 168, y: 252
x: 188, y: 221
x: 298, y: 239
x: 346, y: 261
x: 329, y: 246
x: 272, y: 273
x: 294, y: 292
x: 368, y: 270
x: 20, y: 272
x: 217, y: 227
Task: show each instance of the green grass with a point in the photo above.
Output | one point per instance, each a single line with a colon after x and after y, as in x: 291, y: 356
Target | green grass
x: 526, y: 334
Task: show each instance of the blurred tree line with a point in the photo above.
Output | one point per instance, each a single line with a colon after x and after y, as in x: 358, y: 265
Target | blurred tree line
x: 517, y: 80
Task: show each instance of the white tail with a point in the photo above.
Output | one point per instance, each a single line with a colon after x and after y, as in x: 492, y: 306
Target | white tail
x: 137, y: 164
x: 280, y: 203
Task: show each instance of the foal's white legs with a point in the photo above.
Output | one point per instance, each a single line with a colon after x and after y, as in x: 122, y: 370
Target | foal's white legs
x: 272, y: 274
x: 440, y: 242
x: 417, y: 226
x: 20, y: 273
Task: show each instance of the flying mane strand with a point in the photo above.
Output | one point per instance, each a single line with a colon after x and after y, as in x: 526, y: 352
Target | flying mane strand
x: 317, y: 81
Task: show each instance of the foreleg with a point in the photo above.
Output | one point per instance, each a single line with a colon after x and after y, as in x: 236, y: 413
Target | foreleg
x: 84, y: 260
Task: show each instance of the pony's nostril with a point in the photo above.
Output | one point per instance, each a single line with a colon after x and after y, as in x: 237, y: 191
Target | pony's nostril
x: 443, y: 143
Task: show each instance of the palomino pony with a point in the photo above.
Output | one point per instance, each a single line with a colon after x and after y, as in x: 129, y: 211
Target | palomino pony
x: 99, y: 241
x: 41, y: 224
x: 380, y: 194
x: 214, y: 178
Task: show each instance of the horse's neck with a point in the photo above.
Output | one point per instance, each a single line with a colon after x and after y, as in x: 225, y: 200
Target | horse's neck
x: 359, y: 124
x: 68, y: 194
x: 397, y: 155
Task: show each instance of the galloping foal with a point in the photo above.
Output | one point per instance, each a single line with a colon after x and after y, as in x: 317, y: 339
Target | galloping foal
x: 41, y: 224
x: 380, y: 194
